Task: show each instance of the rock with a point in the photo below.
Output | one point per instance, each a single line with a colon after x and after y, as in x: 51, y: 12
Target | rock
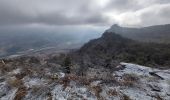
x: 155, y: 88
x: 156, y: 75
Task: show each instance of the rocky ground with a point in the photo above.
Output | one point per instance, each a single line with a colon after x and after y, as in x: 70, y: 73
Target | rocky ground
x: 41, y: 80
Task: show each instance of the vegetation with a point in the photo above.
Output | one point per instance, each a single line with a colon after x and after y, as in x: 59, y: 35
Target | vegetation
x: 148, y: 54
x: 129, y: 80
x: 112, y: 92
x: 125, y: 97
x: 20, y: 94
x: 97, y: 90
x: 14, y: 82
x: 115, y: 47
x: 67, y: 64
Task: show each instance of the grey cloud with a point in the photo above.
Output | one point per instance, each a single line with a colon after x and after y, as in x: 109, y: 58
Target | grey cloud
x: 123, y: 5
x: 83, y: 12
x: 153, y: 15
x: 158, y: 14
x: 57, y: 12
x: 132, y: 5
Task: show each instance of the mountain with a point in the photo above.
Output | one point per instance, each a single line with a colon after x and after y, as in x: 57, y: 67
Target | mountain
x: 97, y: 71
x: 158, y: 33
x: 114, y: 47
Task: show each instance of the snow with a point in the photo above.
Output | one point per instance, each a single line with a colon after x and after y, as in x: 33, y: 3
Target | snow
x: 95, y: 83
x: 136, y: 69
x: 148, y: 87
x: 143, y: 91
x: 10, y: 95
x: 136, y: 94
x: 29, y: 82
x: 72, y: 92
x: 15, y: 71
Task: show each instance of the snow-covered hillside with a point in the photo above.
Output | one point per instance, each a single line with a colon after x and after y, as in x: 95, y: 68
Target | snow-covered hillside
x: 129, y: 82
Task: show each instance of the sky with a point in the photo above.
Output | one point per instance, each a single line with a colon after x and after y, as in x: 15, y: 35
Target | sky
x: 81, y: 14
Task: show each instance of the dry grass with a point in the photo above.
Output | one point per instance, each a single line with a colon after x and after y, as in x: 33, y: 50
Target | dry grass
x: 84, y: 80
x: 22, y: 91
x: 71, y: 77
x: 49, y: 96
x: 126, y: 97
x: 65, y: 81
x: 97, y: 90
x: 40, y: 90
x: 129, y: 79
x: 35, y: 89
x: 157, y: 97
x: 4, y: 69
x: 7, y: 67
x: 15, y: 82
x: 112, y: 92
x: 20, y: 75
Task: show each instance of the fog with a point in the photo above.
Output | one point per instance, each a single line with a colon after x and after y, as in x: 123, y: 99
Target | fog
x: 17, y: 39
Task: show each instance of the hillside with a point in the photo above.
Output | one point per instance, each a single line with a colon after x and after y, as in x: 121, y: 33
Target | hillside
x: 158, y: 33
x: 30, y: 78
x: 112, y: 46
x: 97, y: 71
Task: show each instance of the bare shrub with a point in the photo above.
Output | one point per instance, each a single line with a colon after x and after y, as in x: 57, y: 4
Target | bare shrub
x: 78, y: 79
x: 84, y: 80
x: 126, y: 97
x: 49, y: 96
x: 20, y: 75
x: 5, y: 69
x: 97, y: 90
x: 22, y: 91
x: 65, y: 81
x: 112, y: 92
x: 157, y: 97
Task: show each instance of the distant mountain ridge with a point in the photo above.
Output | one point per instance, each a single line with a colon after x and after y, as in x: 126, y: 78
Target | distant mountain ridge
x: 157, y: 33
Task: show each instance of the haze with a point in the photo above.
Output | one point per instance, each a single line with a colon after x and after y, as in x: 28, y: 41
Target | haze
x: 80, y: 20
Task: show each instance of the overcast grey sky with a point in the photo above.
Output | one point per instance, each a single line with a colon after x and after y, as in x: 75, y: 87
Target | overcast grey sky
x: 89, y: 13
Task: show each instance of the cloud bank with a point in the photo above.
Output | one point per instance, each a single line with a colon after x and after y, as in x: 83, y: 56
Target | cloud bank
x: 84, y: 12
